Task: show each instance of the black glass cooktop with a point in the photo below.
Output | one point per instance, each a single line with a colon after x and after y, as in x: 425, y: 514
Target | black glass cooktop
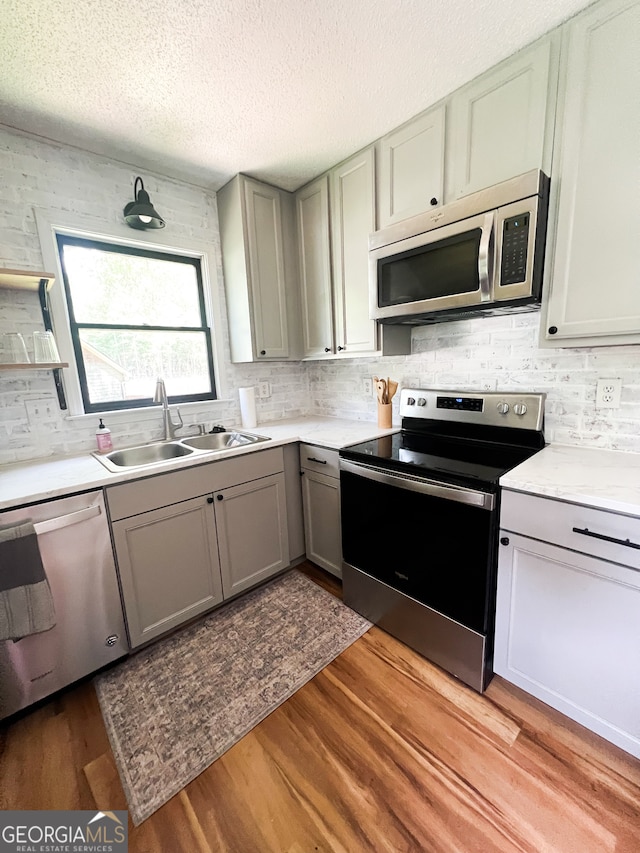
x: 458, y: 460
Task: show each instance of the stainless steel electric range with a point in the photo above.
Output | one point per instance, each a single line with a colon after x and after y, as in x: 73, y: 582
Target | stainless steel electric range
x: 420, y: 512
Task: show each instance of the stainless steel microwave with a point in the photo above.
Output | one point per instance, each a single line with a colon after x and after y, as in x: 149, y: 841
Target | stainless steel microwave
x: 484, y: 252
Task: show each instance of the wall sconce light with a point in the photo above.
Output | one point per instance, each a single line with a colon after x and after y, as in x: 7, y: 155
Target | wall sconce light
x: 140, y: 213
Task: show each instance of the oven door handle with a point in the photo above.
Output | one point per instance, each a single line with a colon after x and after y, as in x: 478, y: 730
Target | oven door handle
x: 424, y: 486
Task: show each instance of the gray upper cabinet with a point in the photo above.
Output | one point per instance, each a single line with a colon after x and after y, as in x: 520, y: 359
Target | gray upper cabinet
x: 353, y: 218
x: 500, y: 125
x: 312, y: 218
x: 258, y: 258
x: 335, y: 215
x: 411, y: 172
x: 594, y: 271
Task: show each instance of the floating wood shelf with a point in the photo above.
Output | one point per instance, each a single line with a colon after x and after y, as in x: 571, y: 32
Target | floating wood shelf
x: 35, y: 365
x: 25, y: 279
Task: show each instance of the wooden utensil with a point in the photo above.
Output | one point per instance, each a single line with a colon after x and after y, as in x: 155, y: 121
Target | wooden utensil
x: 381, y: 390
x: 392, y: 387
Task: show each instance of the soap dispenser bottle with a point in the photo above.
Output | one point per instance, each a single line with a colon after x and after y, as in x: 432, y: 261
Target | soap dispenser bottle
x: 103, y: 437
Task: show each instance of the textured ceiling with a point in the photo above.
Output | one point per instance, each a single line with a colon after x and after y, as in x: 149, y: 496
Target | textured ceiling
x: 280, y: 89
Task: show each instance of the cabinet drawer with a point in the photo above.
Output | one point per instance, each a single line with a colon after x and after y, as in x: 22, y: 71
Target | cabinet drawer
x: 554, y: 521
x: 320, y: 459
x: 154, y: 492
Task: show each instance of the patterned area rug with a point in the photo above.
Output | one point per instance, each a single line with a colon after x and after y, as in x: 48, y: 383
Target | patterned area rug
x: 173, y: 708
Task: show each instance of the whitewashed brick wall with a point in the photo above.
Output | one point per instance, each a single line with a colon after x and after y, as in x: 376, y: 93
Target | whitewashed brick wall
x: 34, y: 173
x: 498, y: 353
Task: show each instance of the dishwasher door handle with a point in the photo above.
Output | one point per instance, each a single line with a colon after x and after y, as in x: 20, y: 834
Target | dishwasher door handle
x: 67, y: 520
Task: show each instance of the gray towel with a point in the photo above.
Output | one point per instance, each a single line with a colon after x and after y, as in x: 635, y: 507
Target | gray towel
x: 26, y: 603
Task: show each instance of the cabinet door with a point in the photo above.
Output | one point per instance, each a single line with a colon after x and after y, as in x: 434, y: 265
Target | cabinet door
x: 411, y: 168
x: 565, y: 627
x: 321, y: 501
x: 496, y: 126
x: 168, y: 564
x: 595, y: 292
x: 251, y: 521
x: 352, y: 220
x: 312, y: 206
x: 267, y: 270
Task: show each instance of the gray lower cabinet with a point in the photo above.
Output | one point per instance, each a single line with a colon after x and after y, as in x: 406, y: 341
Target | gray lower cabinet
x: 321, y: 504
x: 251, y: 521
x: 187, y: 540
x: 169, y: 567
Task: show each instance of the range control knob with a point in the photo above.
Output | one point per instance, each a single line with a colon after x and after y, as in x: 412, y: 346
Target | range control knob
x: 503, y: 408
x: 411, y: 401
x: 520, y: 409
x: 422, y: 401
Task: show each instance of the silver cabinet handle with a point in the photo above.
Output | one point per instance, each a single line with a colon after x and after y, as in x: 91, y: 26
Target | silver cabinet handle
x: 319, y: 461
x: 67, y: 520
x: 626, y: 542
x: 484, y: 264
x: 482, y: 500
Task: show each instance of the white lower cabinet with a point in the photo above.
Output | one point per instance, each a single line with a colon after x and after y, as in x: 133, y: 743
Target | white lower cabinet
x: 567, y: 626
x: 185, y: 541
x: 321, y: 503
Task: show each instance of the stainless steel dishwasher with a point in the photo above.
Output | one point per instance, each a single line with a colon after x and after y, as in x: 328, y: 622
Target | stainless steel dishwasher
x: 74, y: 542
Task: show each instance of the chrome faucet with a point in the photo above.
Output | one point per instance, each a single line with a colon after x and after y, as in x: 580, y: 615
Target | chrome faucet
x: 170, y: 427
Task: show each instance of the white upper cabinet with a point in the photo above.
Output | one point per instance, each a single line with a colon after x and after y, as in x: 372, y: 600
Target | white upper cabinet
x: 594, y: 272
x: 501, y: 124
x: 256, y: 233
x: 352, y: 220
x: 411, y: 169
x: 312, y: 216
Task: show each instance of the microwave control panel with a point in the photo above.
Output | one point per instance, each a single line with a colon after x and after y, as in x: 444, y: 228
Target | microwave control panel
x: 515, y: 241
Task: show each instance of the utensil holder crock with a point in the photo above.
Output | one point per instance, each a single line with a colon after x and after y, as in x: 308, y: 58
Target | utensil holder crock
x: 384, y: 415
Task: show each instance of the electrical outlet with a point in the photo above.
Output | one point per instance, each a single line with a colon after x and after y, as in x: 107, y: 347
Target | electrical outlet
x: 264, y: 390
x: 40, y: 410
x: 367, y: 386
x: 608, y: 393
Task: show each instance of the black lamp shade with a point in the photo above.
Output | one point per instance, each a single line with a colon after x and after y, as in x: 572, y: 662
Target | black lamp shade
x: 141, y: 213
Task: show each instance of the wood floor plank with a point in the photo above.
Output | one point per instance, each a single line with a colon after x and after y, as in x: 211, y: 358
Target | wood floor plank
x: 104, y: 782
x: 381, y: 752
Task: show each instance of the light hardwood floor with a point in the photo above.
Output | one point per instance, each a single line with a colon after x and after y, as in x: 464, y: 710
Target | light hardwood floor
x: 379, y: 752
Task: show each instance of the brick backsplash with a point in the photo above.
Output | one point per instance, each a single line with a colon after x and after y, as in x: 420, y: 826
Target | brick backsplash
x: 500, y: 354
x: 495, y: 353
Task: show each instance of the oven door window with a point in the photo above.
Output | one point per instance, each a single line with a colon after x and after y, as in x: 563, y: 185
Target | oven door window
x: 445, y: 267
x: 435, y: 550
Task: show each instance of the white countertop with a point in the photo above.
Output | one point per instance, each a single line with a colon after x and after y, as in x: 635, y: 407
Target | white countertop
x: 42, y: 479
x: 606, y: 479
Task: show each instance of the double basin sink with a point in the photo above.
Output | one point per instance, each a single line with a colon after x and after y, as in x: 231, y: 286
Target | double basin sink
x: 165, y: 451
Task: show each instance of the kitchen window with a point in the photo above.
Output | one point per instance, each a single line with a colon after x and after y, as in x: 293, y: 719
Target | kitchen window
x: 135, y: 313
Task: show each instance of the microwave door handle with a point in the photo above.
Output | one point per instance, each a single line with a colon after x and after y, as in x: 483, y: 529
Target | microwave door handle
x: 485, y: 265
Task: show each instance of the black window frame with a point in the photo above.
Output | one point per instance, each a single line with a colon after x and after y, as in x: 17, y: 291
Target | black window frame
x: 63, y: 240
